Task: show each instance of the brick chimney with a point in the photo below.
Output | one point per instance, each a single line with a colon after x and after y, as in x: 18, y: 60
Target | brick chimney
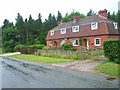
x: 59, y: 22
x: 103, y: 13
x: 76, y: 18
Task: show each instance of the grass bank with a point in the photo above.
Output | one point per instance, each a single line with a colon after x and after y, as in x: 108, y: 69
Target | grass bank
x: 40, y: 59
x: 109, y: 68
x: 0, y: 50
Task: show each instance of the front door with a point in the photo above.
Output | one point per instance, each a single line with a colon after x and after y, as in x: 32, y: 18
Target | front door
x: 86, y: 43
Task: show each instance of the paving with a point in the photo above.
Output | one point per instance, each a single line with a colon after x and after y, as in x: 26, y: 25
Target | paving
x: 23, y: 74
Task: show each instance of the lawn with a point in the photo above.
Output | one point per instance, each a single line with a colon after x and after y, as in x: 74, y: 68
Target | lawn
x: 0, y: 50
x: 40, y: 59
x: 109, y: 68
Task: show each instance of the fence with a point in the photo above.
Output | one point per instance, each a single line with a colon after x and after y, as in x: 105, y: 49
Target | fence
x: 68, y: 54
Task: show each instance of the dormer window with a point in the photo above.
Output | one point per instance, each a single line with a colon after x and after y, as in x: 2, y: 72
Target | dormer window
x: 115, y: 25
x: 94, y: 25
x: 63, y: 30
x: 75, y: 28
x: 52, y: 33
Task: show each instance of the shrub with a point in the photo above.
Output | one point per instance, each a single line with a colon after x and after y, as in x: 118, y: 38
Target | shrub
x: 112, y: 50
x: 28, y: 49
x: 68, y: 46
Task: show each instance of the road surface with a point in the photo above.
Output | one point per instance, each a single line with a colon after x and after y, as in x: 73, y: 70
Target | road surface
x: 23, y: 74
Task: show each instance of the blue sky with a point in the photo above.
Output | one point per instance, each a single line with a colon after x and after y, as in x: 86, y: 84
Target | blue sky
x: 10, y: 8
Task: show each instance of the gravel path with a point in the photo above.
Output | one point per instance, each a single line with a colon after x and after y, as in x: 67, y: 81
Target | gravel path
x: 81, y: 65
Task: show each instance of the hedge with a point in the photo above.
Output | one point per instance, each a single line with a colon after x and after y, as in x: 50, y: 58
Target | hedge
x: 28, y: 49
x: 68, y: 46
x: 112, y: 50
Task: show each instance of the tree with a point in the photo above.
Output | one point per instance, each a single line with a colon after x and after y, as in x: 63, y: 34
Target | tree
x: 6, y: 24
x: 10, y: 38
x: 91, y: 13
x: 59, y: 16
x: 69, y: 17
x: 118, y: 16
x: 20, y: 27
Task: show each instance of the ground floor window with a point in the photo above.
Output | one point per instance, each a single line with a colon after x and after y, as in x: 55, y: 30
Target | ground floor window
x: 75, y: 42
x: 50, y: 43
x: 97, y: 41
x: 62, y: 42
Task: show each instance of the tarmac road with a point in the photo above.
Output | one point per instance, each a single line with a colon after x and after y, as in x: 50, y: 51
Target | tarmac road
x: 23, y: 74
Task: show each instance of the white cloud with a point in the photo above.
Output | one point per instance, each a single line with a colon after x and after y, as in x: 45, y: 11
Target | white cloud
x: 10, y: 8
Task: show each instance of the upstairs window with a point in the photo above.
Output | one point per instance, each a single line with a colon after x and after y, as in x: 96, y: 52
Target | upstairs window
x: 52, y: 33
x: 115, y: 25
x: 63, y: 30
x: 75, y: 42
x: 97, y: 42
x: 75, y: 28
x: 94, y: 25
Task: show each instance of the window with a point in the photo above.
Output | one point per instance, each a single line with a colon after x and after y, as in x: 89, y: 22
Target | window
x: 62, y: 42
x: 115, y: 25
x: 94, y: 25
x: 97, y: 41
x: 75, y: 28
x: 52, y: 33
x: 75, y: 42
x: 50, y: 43
x: 63, y: 30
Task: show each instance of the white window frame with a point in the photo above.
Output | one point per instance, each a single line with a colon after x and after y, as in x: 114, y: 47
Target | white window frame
x: 74, y: 28
x: 52, y: 32
x: 50, y: 43
x: 94, y: 27
x: 74, y: 42
x: 95, y: 42
x: 63, y: 30
x: 62, y: 42
x: 115, y: 25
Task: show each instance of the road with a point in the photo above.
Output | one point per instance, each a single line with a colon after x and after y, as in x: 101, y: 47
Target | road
x: 23, y: 74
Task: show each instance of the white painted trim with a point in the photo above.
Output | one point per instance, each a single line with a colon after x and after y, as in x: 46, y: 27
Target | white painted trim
x: 52, y: 32
x: 73, y: 42
x: 94, y: 28
x: 63, y: 29
x: 95, y: 42
x: 75, y: 27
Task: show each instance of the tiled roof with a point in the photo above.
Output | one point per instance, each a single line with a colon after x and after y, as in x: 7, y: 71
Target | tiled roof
x: 84, y: 29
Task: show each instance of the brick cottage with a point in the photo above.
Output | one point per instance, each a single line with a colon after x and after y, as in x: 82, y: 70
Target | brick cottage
x: 93, y: 30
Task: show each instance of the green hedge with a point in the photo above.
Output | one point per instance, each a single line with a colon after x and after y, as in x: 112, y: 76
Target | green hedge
x: 68, y: 46
x: 112, y: 50
x: 28, y: 49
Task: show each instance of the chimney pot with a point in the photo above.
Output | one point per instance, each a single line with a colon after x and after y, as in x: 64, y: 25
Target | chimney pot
x: 76, y: 18
x: 103, y: 13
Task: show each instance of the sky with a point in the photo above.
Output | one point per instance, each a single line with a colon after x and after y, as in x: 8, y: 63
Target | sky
x: 10, y: 8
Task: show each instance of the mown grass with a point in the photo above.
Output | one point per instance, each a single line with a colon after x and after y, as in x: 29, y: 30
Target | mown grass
x: 109, y: 68
x: 40, y: 59
x: 0, y: 50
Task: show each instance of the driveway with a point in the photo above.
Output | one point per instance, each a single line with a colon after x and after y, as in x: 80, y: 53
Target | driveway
x: 23, y: 74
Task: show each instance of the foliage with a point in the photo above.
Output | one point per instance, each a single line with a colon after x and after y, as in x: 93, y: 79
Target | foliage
x: 68, y: 46
x: 91, y: 13
x: 114, y: 16
x: 69, y: 17
x: 112, y: 50
x: 28, y: 48
x: 9, y: 39
x: 109, y: 68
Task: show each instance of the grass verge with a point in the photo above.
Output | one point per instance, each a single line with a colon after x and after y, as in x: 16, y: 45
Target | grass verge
x: 40, y: 59
x: 109, y: 68
x: 0, y: 50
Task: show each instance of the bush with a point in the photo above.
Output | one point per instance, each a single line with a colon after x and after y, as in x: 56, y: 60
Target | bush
x: 112, y: 50
x: 68, y: 46
x: 28, y: 49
